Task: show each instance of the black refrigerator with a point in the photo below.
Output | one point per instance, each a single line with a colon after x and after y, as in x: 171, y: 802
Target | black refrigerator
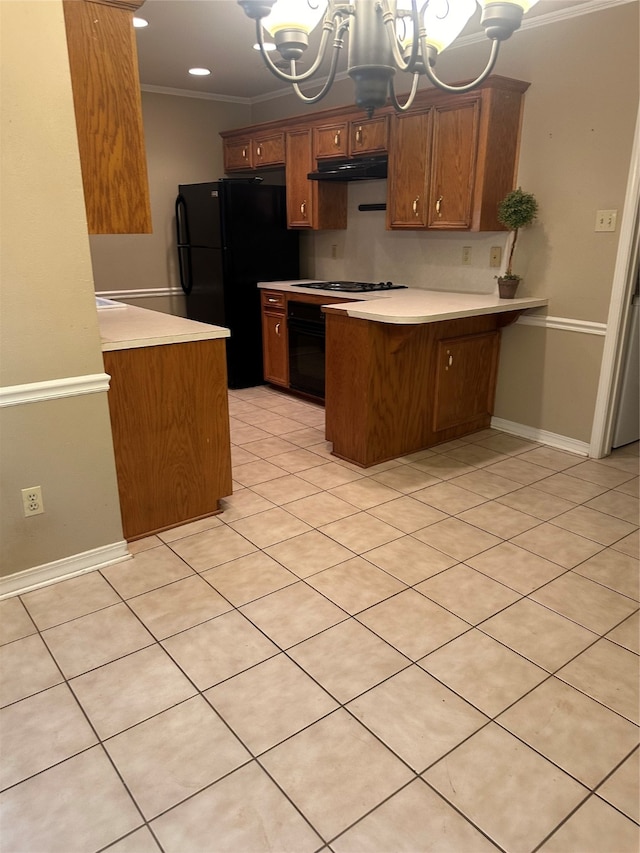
x: 231, y: 234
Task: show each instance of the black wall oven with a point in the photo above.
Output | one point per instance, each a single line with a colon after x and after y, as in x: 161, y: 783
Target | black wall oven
x: 305, y: 327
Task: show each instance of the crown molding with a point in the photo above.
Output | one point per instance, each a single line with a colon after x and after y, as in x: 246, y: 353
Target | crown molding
x: 189, y: 93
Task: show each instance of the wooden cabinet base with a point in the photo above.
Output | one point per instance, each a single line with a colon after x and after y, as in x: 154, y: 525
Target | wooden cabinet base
x: 407, y: 387
x: 170, y: 422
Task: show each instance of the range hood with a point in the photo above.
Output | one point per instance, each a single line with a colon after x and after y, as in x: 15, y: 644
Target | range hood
x: 355, y: 169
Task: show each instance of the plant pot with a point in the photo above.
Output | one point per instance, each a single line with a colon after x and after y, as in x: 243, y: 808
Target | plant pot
x: 507, y: 287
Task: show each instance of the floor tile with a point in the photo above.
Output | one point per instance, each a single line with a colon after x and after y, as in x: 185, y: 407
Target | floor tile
x: 475, y: 454
x: 270, y: 702
x: 413, y: 819
x: 500, y: 520
x: 549, y: 457
x: 614, y: 570
x: 15, y: 622
x: 244, y: 433
x: 406, y: 479
x: 257, y: 472
x: 407, y: 514
x: 417, y: 717
x: 412, y: 624
x: 589, y: 604
x: 627, y: 634
x: 26, y: 667
x: 305, y: 437
x: 483, y: 672
x: 448, y: 497
x: 249, y: 813
x: 144, y: 544
x: 355, y: 584
x: 456, y: 538
x: 189, y: 529
x: 41, y: 731
x: 593, y: 828
x: 212, y: 548
x: 510, y: 444
x: 284, y: 490
x: 297, y: 459
x: 442, y: 466
x: 240, y: 456
x: 609, y: 674
x: 219, y: 649
x: 569, y: 488
x: 579, y: 735
x: 69, y: 599
x: 80, y: 804
x: 631, y: 487
x: 178, y: 606
x: 244, y: 502
x: 352, y: 772
x: 347, y: 659
x: 617, y: 504
x: 594, y: 525
x: 310, y: 553
x: 509, y: 791
x: 515, y: 468
x: 542, y: 636
x: 560, y: 546
x: 268, y: 528
x: 593, y: 471
x: 535, y: 502
x: 365, y: 493
x: 409, y: 560
x: 90, y: 641
x: 149, y: 570
x: 138, y: 686
x: 629, y: 545
x: 248, y: 578
x: 268, y: 447
x: 173, y: 755
x: 139, y: 841
x: 361, y: 532
x: 307, y: 611
x: 515, y: 567
x: 469, y: 594
x: 330, y: 475
x: 486, y: 484
x: 621, y: 788
x: 322, y: 508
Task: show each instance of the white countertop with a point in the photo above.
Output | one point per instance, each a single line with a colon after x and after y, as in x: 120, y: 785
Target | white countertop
x: 127, y: 327
x: 412, y: 305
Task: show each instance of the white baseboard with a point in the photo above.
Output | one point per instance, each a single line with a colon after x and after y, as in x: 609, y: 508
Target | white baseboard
x: 561, y: 442
x: 69, y: 567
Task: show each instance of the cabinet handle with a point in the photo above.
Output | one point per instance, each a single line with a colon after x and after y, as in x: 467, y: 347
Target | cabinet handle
x: 303, y: 209
x: 414, y: 206
x: 438, y: 206
x: 336, y: 139
x: 278, y: 329
x: 449, y: 360
x: 244, y: 153
x: 359, y: 135
x: 259, y: 150
x: 272, y: 299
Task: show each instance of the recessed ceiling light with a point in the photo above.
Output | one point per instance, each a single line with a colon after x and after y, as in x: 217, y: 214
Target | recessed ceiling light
x: 199, y: 72
x: 139, y: 23
x: 268, y: 45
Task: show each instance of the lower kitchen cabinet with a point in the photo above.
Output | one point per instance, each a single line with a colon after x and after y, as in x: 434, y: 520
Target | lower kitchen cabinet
x: 408, y: 387
x: 170, y: 423
x: 274, y: 338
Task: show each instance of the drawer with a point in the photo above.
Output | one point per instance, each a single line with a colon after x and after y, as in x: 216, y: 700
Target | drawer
x: 274, y: 299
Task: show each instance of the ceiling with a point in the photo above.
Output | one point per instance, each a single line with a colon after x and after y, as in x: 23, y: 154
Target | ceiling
x: 216, y: 34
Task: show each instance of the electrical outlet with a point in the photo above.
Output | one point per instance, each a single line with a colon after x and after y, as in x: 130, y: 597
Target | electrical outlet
x: 606, y: 220
x: 32, y: 501
x: 466, y: 255
x: 334, y: 251
x: 495, y: 257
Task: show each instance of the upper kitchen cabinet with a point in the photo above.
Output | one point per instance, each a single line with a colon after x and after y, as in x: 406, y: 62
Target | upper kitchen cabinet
x: 254, y: 152
x: 369, y: 136
x: 331, y: 140
x: 106, y: 95
x: 450, y: 172
x: 311, y: 204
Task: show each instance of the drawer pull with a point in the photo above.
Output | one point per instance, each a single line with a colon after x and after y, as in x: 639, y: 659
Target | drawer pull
x: 259, y: 150
x: 359, y: 135
x: 336, y: 140
x: 303, y: 209
x: 414, y: 206
x: 278, y: 329
x: 273, y: 299
x: 439, y: 206
x: 244, y: 153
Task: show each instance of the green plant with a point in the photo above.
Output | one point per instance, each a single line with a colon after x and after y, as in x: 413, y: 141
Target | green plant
x: 516, y: 210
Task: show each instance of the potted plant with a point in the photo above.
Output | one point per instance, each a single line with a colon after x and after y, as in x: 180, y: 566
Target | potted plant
x: 516, y: 210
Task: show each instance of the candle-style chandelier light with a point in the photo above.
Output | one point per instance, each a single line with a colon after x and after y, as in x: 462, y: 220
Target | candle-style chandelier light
x: 384, y: 36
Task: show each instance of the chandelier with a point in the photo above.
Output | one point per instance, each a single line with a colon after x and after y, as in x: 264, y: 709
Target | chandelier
x: 384, y: 36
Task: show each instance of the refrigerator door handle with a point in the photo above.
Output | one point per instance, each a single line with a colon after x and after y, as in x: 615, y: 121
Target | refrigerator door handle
x: 184, y: 247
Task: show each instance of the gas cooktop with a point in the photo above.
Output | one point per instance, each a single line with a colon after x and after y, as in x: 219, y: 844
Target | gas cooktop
x: 352, y: 286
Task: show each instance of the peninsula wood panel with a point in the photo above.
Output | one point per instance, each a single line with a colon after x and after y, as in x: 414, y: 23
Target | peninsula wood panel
x: 170, y: 423
x: 106, y: 96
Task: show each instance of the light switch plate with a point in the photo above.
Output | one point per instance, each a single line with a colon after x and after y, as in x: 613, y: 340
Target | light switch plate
x: 606, y: 220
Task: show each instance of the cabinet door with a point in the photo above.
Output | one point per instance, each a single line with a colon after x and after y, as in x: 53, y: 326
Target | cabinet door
x: 274, y: 346
x: 408, y: 171
x: 268, y: 150
x: 369, y: 136
x: 237, y: 154
x: 330, y: 140
x: 453, y: 162
x: 465, y: 379
x: 300, y: 190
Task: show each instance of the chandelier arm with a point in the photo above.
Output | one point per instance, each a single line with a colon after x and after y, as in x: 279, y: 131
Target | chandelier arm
x: 428, y: 70
x: 389, y: 22
x: 313, y: 99
x: 328, y: 28
x: 401, y: 108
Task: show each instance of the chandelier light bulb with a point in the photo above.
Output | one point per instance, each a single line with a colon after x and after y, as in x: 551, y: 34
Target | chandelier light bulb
x: 444, y: 20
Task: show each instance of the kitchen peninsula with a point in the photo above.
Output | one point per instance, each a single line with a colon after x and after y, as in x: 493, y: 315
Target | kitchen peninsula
x: 408, y: 369
x: 169, y: 416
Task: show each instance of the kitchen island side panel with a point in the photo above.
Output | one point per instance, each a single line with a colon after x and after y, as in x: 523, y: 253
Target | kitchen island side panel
x: 170, y: 422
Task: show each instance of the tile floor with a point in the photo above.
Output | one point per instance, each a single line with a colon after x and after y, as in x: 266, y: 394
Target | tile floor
x: 436, y: 654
